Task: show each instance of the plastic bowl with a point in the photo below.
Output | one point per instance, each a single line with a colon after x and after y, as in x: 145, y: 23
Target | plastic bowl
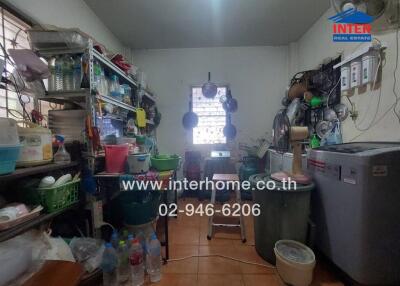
x: 295, y: 262
x: 165, y: 162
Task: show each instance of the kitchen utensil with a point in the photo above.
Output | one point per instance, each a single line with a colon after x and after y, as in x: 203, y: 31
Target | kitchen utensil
x: 190, y: 119
x: 139, y: 163
x: 229, y: 129
x: 297, y: 90
x: 322, y: 128
x: 62, y: 180
x: 329, y: 114
x: 46, y: 182
x: 209, y: 89
x: 292, y: 111
x: 230, y: 104
x: 342, y: 111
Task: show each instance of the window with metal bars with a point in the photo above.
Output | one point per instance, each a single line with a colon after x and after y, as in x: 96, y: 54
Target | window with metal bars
x: 13, y: 35
x: 212, y: 117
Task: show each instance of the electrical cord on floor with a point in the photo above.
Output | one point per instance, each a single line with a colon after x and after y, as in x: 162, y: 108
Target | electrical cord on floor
x: 222, y: 256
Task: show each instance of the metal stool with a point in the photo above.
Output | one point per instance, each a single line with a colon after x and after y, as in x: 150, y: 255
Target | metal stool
x: 225, y: 178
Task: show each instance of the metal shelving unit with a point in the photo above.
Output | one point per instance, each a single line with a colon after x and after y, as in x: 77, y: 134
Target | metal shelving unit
x: 115, y: 102
x: 105, y: 61
x: 25, y: 226
x: 89, y: 97
x: 31, y: 171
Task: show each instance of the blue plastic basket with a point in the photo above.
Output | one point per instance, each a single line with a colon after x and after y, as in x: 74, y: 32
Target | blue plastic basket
x: 8, y: 157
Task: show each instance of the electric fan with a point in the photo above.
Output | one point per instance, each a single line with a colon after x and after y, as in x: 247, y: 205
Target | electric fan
x: 283, y: 136
x: 375, y: 9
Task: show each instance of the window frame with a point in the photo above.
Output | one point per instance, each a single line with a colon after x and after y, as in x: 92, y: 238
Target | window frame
x: 7, y: 11
x: 191, y: 109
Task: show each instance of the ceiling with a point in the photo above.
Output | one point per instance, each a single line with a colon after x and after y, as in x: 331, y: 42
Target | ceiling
x: 162, y: 24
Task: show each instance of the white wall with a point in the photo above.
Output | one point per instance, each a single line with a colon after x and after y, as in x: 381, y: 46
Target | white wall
x: 69, y: 14
x: 316, y: 44
x: 257, y: 77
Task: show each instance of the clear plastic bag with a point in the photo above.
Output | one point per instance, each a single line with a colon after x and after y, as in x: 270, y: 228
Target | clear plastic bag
x: 87, y: 251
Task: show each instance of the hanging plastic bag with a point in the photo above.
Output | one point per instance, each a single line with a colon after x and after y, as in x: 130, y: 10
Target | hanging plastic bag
x: 334, y: 136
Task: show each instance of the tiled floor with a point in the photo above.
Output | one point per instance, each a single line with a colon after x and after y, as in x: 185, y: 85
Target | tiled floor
x: 188, y: 236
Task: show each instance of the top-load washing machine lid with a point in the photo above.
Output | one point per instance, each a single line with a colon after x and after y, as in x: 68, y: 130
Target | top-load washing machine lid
x: 358, y: 147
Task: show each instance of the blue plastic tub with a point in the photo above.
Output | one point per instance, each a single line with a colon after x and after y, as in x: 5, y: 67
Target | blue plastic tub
x: 8, y: 158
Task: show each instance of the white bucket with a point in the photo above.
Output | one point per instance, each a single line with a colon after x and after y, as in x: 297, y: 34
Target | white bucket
x: 295, y: 262
x: 36, y: 144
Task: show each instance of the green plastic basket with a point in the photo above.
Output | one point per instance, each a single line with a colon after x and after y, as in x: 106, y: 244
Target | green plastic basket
x: 165, y: 162
x: 54, y: 198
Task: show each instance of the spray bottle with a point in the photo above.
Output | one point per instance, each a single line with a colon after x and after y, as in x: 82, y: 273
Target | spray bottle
x: 61, y: 156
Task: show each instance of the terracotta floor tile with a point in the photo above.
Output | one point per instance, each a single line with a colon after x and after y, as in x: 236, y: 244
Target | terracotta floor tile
x: 322, y: 277
x: 187, y: 266
x: 219, y: 280
x: 221, y: 235
x: 184, y: 235
x: 188, y: 236
x: 216, y: 249
x: 216, y: 265
x: 261, y: 280
x: 176, y: 280
x: 248, y: 253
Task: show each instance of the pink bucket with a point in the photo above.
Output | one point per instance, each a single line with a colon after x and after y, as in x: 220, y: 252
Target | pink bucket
x: 116, y: 156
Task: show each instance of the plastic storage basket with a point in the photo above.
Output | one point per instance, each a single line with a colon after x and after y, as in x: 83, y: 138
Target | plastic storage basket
x: 8, y: 158
x: 54, y: 198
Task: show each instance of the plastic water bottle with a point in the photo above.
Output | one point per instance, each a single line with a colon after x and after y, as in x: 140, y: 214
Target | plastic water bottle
x: 115, y: 89
x: 109, y: 265
x: 123, y: 266
x: 58, y: 63
x: 103, y: 84
x: 67, y: 71
x: 97, y: 75
x: 77, y: 73
x: 136, y: 263
x: 114, y: 239
x: 153, y: 259
x: 52, y: 81
x: 129, y: 241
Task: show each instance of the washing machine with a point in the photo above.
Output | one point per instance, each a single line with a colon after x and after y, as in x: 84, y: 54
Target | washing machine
x: 356, y: 208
